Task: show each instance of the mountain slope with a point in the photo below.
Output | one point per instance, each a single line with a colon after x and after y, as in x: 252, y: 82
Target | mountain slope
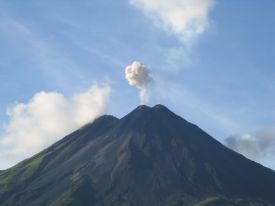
x: 149, y: 157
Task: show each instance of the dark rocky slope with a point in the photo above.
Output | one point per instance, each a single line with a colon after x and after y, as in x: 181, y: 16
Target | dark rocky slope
x: 151, y: 157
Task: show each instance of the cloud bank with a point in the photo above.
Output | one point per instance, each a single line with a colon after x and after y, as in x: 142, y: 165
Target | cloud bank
x: 138, y: 75
x: 46, y: 118
x: 256, y: 145
x: 185, y: 18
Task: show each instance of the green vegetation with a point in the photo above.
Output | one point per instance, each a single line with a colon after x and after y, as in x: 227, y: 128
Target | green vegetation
x: 19, y: 173
x: 65, y: 199
x: 207, y: 201
x: 217, y: 201
x: 77, y: 195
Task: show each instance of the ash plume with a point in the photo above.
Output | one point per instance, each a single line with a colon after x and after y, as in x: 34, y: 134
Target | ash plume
x: 138, y: 75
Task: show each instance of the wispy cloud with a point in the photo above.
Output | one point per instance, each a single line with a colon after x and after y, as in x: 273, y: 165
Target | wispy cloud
x: 47, y: 117
x: 255, y: 145
x: 39, y: 51
x: 176, y: 94
x: 185, y: 18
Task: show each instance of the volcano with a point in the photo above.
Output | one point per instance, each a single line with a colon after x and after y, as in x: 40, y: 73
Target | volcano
x: 150, y: 157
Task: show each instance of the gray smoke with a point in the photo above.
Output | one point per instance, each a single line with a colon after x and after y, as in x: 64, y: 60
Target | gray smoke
x: 254, y: 145
x: 138, y: 75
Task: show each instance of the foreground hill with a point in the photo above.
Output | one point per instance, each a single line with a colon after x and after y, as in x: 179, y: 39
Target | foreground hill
x: 150, y: 157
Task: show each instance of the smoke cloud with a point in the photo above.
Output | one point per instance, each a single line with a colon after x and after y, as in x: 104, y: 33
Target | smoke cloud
x: 46, y: 118
x: 138, y: 75
x: 255, y: 146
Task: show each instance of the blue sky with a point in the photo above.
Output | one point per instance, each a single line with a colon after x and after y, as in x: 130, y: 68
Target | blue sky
x: 223, y: 79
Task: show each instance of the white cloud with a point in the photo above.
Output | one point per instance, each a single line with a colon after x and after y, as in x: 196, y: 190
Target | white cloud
x: 138, y: 75
x: 46, y: 118
x: 185, y: 18
x: 255, y: 145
